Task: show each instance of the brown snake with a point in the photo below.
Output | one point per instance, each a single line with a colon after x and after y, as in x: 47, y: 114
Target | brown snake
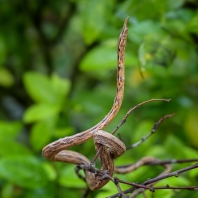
x: 56, y: 151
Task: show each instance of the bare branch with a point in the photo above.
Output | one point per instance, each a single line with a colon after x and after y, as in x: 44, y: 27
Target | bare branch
x: 132, y: 109
x: 151, y: 181
x: 124, y: 120
x: 156, y: 125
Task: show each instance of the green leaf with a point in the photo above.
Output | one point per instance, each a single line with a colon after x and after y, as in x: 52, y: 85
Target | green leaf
x: 176, y: 4
x: 41, y: 133
x: 39, y: 87
x: 61, y: 88
x: 23, y: 171
x: 192, y: 26
x: 9, y: 129
x: 69, y: 178
x: 140, y: 11
x: 193, y: 173
x: 160, y: 193
x: 7, y: 190
x: 107, y: 190
x: 62, y: 132
x: 13, y: 149
x: 40, y: 111
x: 155, y: 52
x: 93, y: 19
x: 174, y: 181
x: 46, y: 90
x: 51, y: 172
x: 160, y: 5
x: 158, y: 151
x: 138, y: 31
x: 103, y: 57
x: 6, y: 78
x: 190, y: 153
x: 173, y: 145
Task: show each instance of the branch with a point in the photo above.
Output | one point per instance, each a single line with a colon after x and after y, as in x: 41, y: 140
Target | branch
x: 132, y: 109
x: 124, y: 120
x: 167, y: 187
x: 151, y: 181
x: 156, y: 125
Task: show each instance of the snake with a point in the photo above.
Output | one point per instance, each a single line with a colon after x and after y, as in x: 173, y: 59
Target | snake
x: 111, y: 147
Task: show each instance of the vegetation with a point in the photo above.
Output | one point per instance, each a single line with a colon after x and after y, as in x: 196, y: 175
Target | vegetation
x: 58, y: 77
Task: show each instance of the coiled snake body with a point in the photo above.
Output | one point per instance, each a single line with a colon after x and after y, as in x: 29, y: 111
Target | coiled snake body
x: 56, y: 151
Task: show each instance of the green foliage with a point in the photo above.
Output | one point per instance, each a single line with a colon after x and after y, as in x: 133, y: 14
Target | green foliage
x: 93, y: 60
x: 46, y: 90
x: 58, y: 77
x: 157, y: 51
x: 94, y: 20
x: 23, y: 171
x: 73, y: 181
x: 9, y: 130
x: 6, y: 78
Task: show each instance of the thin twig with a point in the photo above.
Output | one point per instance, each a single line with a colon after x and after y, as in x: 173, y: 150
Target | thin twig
x: 136, y: 185
x: 167, y: 187
x: 151, y: 181
x: 156, y: 125
x: 86, y: 193
x: 77, y: 169
x: 161, y: 162
x: 175, y: 173
x: 132, y: 109
x: 173, y: 161
x: 124, y: 120
x: 116, y: 182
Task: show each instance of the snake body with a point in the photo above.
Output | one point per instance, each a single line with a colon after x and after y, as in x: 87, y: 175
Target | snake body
x: 56, y: 151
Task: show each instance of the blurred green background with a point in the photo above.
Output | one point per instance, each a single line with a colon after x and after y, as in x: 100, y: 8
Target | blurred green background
x: 58, y: 64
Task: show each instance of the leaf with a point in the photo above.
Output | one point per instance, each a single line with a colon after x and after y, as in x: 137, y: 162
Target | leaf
x: 160, y: 193
x: 93, y: 19
x: 68, y: 178
x: 140, y: 11
x: 40, y: 111
x: 155, y: 51
x: 138, y: 31
x: 103, y: 57
x: 176, y: 4
x: 161, y: 6
x: 46, y: 90
x: 62, y: 132
x: 6, y: 78
x: 109, y: 189
x: 193, y: 173
x: 173, y: 145
x: 39, y: 87
x: 192, y: 26
x: 9, y: 130
x: 7, y: 190
x: 172, y: 181
x: 156, y: 150
x: 60, y: 87
x: 51, y: 172
x: 41, y: 133
x: 190, y: 153
x: 13, y: 149
x: 23, y: 171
